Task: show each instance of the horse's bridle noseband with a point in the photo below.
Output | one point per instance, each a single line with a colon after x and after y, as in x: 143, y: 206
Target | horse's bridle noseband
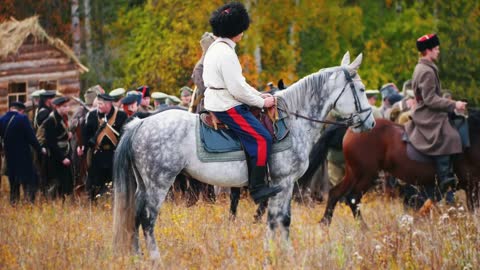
x: 350, y: 121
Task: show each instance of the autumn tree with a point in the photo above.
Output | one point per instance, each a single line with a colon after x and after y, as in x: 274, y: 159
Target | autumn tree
x: 160, y: 42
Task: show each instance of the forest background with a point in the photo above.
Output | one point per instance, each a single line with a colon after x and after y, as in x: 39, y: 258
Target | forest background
x: 127, y: 43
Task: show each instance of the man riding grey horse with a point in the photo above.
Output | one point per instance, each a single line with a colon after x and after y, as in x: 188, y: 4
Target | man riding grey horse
x: 229, y: 96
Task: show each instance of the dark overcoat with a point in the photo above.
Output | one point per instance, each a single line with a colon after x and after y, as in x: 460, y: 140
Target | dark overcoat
x: 57, y: 141
x: 430, y: 130
x: 17, y: 142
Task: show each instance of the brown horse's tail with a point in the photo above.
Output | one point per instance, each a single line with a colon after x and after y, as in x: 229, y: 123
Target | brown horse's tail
x: 125, y: 186
x: 320, y: 149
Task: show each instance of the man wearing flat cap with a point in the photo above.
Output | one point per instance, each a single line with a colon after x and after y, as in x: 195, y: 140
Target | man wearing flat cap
x: 77, y: 122
x: 35, y: 101
x: 57, y: 138
x: 90, y: 97
x: 130, y: 107
x: 117, y: 95
x: 145, y: 104
x: 430, y: 130
x: 185, y: 96
x: 44, y: 107
x: 18, y: 137
x: 372, y: 96
x: 159, y: 100
x: 101, y: 135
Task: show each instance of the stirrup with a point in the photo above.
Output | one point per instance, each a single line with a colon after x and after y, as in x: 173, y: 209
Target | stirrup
x: 447, y: 183
x: 261, y: 194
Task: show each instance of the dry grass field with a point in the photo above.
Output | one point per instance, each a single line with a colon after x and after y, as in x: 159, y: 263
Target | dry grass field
x: 77, y: 235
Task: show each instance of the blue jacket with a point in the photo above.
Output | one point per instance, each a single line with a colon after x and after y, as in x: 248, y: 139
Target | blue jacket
x: 17, y: 141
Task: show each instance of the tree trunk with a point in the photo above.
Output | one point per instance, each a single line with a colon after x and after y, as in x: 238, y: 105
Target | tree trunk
x: 88, y: 30
x: 257, y: 53
x: 76, y: 27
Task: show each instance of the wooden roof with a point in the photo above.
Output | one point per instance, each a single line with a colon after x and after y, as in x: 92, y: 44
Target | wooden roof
x: 13, y: 33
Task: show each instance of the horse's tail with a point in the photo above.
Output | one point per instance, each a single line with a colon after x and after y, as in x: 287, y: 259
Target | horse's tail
x: 320, y: 151
x: 125, y: 186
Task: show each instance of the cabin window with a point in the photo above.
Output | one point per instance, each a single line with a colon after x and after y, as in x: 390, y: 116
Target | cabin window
x: 17, y: 92
x: 47, y: 85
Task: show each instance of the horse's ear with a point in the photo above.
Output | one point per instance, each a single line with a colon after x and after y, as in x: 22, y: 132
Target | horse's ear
x: 346, y: 59
x: 356, y: 63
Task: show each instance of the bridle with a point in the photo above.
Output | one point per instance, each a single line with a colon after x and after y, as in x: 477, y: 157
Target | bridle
x: 346, y: 122
x: 352, y: 120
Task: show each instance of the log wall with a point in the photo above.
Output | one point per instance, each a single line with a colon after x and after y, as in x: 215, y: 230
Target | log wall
x: 36, y: 62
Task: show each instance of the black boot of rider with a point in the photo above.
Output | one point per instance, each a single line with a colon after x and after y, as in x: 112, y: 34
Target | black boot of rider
x: 259, y: 189
x: 445, y: 176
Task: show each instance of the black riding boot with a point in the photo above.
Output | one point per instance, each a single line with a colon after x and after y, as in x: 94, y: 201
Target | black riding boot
x: 445, y: 176
x: 259, y: 190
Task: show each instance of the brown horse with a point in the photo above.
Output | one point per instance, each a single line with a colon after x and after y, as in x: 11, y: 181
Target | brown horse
x: 79, y: 164
x: 383, y: 149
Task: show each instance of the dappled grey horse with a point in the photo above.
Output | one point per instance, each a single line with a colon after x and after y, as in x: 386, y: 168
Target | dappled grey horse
x: 153, y: 151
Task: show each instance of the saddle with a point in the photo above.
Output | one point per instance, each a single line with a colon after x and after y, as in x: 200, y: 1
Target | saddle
x: 413, y: 153
x: 459, y: 122
x: 216, y: 137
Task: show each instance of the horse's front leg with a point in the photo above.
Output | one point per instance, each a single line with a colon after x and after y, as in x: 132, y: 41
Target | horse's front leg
x: 353, y: 199
x: 260, y: 211
x: 341, y: 189
x: 234, y: 198
x: 279, y: 214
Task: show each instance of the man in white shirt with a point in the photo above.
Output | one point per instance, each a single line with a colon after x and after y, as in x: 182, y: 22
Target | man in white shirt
x: 229, y: 96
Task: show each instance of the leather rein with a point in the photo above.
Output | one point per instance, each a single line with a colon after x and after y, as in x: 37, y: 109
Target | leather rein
x: 350, y: 121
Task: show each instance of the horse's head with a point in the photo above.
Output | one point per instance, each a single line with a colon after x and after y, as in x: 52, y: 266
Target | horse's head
x: 349, y: 98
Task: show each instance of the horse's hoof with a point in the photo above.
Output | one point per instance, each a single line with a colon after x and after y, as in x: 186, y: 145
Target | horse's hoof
x: 426, y: 208
x: 325, y: 222
x: 363, y: 227
x: 154, y: 255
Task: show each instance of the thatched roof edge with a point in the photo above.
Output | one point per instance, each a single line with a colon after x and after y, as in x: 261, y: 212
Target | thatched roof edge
x: 13, y: 34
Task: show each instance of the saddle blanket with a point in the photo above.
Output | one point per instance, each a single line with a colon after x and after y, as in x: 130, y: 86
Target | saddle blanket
x: 223, y: 145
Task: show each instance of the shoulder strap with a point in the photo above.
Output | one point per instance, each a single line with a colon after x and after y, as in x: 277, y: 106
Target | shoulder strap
x: 50, y: 115
x: 107, y: 130
x: 8, y: 125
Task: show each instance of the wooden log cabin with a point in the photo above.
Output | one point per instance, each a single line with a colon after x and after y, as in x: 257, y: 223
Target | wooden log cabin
x: 30, y: 60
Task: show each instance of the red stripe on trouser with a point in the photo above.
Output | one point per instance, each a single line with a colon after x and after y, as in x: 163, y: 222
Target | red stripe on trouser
x: 245, y: 126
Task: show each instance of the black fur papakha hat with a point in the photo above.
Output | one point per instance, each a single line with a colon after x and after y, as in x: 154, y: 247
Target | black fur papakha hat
x: 427, y: 42
x: 229, y: 20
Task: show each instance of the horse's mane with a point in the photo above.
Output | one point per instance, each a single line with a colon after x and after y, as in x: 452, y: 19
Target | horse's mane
x: 310, y: 86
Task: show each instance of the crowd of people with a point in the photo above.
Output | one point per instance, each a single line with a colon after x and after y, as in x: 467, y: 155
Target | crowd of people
x: 93, y: 132
x: 44, y: 145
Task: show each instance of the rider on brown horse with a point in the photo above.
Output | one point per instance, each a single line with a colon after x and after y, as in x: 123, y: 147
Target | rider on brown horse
x: 430, y: 130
